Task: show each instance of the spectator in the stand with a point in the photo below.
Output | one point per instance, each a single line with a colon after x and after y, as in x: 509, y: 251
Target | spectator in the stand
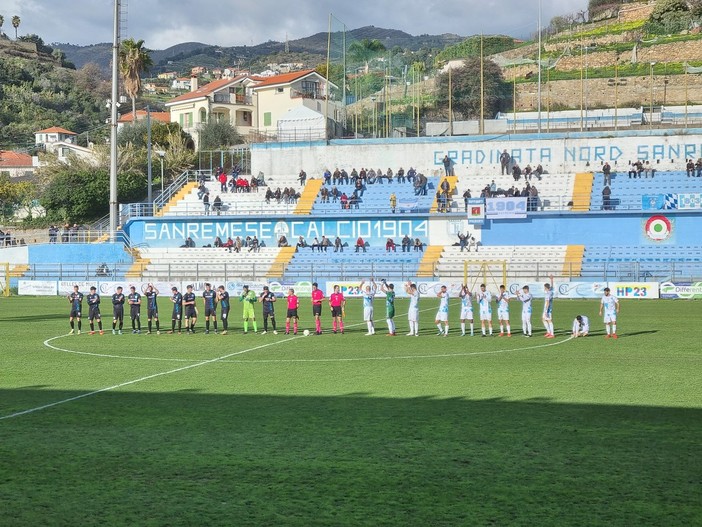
x: 335, y: 194
x: 282, y: 241
x: 493, y: 188
x: 324, y: 194
x: 354, y: 175
x: 302, y: 177
x: 698, y: 167
x: 462, y: 240
x: 390, y: 246
x: 606, y: 198
x: 472, y: 243
x: 393, y: 202
x: 466, y: 197
x: 301, y: 244
x: 538, y: 171
x: 516, y: 171
x: 635, y: 169
x: 411, y: 174
x: 254, y: 245
x: 607, y: 173
x: 418, y: 245
x: 448, y: 166
x: 504, y: 162
x: 649, y: 170
x: 218, y: 242
x: 269, y: 195
x: 389, y: 175
x: 222, y: 181
x: 533, y: 199
x: 229, y: 244
x: 406, y: 243
x: 400, y: 175
x: 188, y: 242
x: 324, y: 244
x: 354, y: 200
x: 237, y: 244
x: 360, y: 244
x: 316, y: 245
x: 420, y: 185
x: 338, y: 245
x: 201, y: 190
x: 336, y: 176
x: 379, y: 176
x: 253, y: 184
x: 371, y: 177
x: 278, y: 194
x: 206, y: 203
x: 327, y: 177
x: 217, y: 205
x: 441, y: 201
x: 689, y: 168
x: 527, y: 172
x: 359, y: 189
x: 344, y: 178
x: 445, y: 186
x: 344, y: 200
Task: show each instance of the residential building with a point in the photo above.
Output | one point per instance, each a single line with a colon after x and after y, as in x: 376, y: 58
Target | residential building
x: 16, y: 164
x: 228, y: 100
x: 128, y: 118
x: 53, y: 135
x: 181, y: 83
x: 169, y: 75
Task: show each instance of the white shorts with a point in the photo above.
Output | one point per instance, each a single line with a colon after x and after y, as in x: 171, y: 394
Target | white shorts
x: 466, y: 313
x: 503, y: 314
x: 413, y: 315
x: 610, y: 318
x: 485, y: 315
x: 442, y: 316
x: 367, y: 314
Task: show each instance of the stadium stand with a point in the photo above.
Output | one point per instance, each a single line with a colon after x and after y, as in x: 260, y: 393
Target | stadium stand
x: 637, y: 262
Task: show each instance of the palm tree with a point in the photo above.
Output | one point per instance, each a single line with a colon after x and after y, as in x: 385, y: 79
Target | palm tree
x: 366, y: 49
x: 15, y: 23
x: 134, y: 59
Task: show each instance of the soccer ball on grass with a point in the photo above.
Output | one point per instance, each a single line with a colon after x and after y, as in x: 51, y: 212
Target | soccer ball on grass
x: 306, y: 333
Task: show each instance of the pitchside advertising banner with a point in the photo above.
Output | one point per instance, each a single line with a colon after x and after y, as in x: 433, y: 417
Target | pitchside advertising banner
x: 681, y: 290
x: 505, y: 208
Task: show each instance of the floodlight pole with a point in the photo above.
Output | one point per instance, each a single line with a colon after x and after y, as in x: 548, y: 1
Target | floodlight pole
x: 113, y: 123
x: 539, y: 79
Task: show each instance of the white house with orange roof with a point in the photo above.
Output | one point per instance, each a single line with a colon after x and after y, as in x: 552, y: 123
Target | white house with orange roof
x: 16, y: 164
x: 276, y: 96
x: 54, y: 134
x: 228, y: 100
x: 128, y: 118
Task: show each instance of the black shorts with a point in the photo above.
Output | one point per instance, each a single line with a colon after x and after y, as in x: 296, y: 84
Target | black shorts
x: 210, y: 311
x: 135, y: 312
x: 94, y: 313
x: 317, y: 309
x: 152, y: 313
x: 336, y: 311
x: 177, y: 314
x: 225, y: 313
x: 74, y: 313
x: 292, y: 313
x: 190, y: 312
x: 269, y: 313
x: 118, y: 312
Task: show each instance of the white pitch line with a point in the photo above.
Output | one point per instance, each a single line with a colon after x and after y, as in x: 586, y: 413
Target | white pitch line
x: 141, y: 379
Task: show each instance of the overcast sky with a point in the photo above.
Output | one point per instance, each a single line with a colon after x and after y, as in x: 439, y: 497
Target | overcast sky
x: 163, y: 23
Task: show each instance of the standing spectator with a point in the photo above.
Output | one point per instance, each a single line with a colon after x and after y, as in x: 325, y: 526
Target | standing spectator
x: 206, y: 203
x: 338, y: 246
x: 222, y: 181
x: 217, y: 205
x: 393, y: 202
x: 406, y: 243
x: 302, y: 177
x: 607, y: 173
x: 462, y: 240
x: 327, y: 177
x: 447, y: 166
x: 466, y: 197
x: 504, y: 161
x: 606, y: 198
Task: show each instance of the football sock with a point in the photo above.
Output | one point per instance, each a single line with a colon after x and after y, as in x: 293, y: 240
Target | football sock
x: 114, y: 324
x: 607, y: 328
x: 441, y: 330
x: 246, y: 326
x: 341, y: 325
x: 72, y: 324
x: 446, y: 328
x: 287, y: 326
x: 370, y: 326
x: 79, y: 325
x: 121, y: 323
x: 295, y: 326
x: 100, y: 325
x: 173, y: 325
x: 158, y: 325
x: 214, y: 323
x: 225, y: 324
x: 318, y: 324
x: 180, y: 324
x: 614, y: 329
x: 149, y: 324
x: 509, y: 330
x: 207, y: 324
x: 463, y: 327
x: 501, y: 328
x: 265, y: 323
x: 334, y: 324
x: 273, y: 323
x: 255, y: 326
x: 471, y: 328
x: 92, y: 327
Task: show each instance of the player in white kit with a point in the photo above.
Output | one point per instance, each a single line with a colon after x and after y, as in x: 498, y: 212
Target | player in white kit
x: 610, y: 305
x: 413, y: 311
x: 485, y: 309
x: 466, y: 309
x: 526, y: 298
x: 442, y: 313
x: 503, y: 311
x: 581, y: 326
x: 548, y: 309
x: 368, y: 297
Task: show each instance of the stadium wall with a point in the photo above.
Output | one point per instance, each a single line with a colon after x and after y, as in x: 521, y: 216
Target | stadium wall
x: 479, y: 155
x: 83, y: 253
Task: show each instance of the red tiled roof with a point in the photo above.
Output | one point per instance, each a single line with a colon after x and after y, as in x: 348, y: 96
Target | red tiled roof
x: 9, y: 159
x: 284, y: 78
x: 206, y: 89
x: 56, y: 130
x: 164, y: 117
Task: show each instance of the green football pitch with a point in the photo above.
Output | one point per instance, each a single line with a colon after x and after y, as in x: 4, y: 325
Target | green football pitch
x: 170, y: 430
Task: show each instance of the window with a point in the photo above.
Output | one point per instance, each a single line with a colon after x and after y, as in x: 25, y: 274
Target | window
x: 267, y: 119
x: 279, y: 90
x: 203, y: 115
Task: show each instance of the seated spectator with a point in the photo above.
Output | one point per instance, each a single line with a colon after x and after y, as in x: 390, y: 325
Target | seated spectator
x: 201, y: 190
x: 390, y: 246
x: 302, y: 177
x: 334, y: 194
x: 406, y: 243
x: 269, y: 195
x: 400, y: 175
x: 698, y: 167
x: 336, y: 176
x: 379, y: 176
x: 472, y: 243
x: 327, y: 177
x: 606, y: 198
x: 527, y: 171
x: 338, y: 246
x: 316, y: 245
x: 253, y: 184
x: 649, y: 170
x: 102, y: 270
x: 389, y: 175
x: 217, y: 205
x: 360, y: 244
x: 689, y: 168
x: 371, y: 177
x: 324, y: 194
x: 516, y: 172
x: 229, y: 244
x: 411, y: 174
x: 635, y: 169
x: 278, y: 194
x: 218, y: 242
x: 301, y: 243
x: 538, y: 171
x: 354, y: 175
x: 282, y: 241
x: 254, y: 245
x: 354, y: 200
x: 324, y: 244
x: 344, y: 200
x: 418, y: 245
x: 237, y: 245
x: 188, y: 242
x: 344, y: 178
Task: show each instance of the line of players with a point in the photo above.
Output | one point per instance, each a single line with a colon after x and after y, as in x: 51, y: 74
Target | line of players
x: 184, y: 308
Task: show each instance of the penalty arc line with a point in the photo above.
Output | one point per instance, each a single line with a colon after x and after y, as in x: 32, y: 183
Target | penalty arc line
x: 141, y: 379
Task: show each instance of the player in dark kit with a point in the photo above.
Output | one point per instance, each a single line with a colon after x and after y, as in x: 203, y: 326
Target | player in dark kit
x: 134, y: 301
x: 94, y: 311
x: 177, y: 316
x: 190, y: 310
x: 118, y: 310
x: 151, y: 294
x: 223, y: 298
x: 209, y: 296
x: 76, y: 300
x: 267, y: 299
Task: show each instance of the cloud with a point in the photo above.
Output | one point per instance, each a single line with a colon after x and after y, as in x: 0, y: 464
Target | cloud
x: 163, y: 23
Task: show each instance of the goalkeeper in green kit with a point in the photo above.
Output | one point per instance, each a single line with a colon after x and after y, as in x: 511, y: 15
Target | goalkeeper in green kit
x: 249, y: 298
